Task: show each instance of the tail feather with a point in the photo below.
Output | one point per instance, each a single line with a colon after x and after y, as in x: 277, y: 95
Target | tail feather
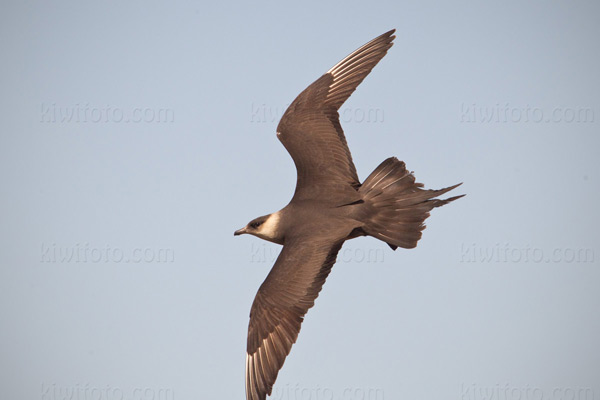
x: 396, y: 206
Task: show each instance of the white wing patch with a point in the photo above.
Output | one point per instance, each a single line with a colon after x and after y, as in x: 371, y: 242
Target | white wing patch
x: 260, y: 362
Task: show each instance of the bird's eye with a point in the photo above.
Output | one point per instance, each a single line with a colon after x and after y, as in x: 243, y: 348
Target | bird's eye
x: 255, y: 224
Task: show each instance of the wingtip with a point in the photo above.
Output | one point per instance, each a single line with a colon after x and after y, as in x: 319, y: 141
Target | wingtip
x: 390, y: 35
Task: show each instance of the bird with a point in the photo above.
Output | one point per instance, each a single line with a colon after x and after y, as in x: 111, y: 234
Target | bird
x: 329, y: 206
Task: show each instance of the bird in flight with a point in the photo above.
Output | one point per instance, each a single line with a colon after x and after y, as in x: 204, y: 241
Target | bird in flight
x: 329, y: 206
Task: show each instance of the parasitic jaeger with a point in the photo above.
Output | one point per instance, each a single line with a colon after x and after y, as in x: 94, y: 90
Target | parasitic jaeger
x: 329, y: 206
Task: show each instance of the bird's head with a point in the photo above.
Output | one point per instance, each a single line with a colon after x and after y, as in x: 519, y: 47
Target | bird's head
x: 265, y: 227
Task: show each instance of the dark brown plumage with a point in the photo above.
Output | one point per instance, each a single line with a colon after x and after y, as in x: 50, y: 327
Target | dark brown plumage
x: 329, y: 206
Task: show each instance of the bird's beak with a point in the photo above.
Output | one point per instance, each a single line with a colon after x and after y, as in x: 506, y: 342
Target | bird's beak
x: 239, y: 231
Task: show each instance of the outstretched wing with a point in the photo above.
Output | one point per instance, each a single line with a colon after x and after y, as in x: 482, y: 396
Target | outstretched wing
x: 311, y: 132
x: 279, y: 308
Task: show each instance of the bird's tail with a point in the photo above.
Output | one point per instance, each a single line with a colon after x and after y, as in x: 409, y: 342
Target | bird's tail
x: 396, y: 206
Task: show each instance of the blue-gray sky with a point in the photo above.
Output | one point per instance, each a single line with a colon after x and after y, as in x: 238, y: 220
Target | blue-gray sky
x: 136, y: 137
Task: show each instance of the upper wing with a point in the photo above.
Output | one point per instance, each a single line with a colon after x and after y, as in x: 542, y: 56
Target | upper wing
x: 311, y: 132
x: 279, y: 308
